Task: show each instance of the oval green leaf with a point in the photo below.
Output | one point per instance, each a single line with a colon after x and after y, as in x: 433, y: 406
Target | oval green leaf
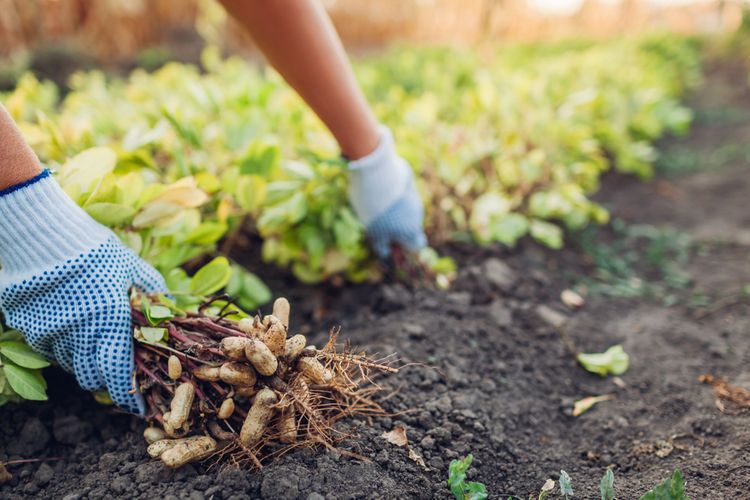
x: 212, y: 277
x: 27, y: 383
x: 21, y: 354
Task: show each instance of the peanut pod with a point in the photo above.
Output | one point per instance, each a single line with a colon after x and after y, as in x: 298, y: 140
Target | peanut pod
x: 246, y: 392
x: 188, y: 450
x: 261, y: 357
x: 281, y: 309
x: 156, y: 448
x: 226, y: 409
x: 314, y: 370
x: 234, y: 347
x: 172, y: 431
x: 274, y: 336
x: 153, y: 434
x: 258, y: 417
x: 251, y: 326
x: 207, y: 372
x: 181, y: 404
x: 288, y: 425
x: 294, y: 346
x: 237, y: 374
x: 174, y: 367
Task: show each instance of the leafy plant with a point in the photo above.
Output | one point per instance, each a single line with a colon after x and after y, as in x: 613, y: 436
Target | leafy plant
x: 461, y: 489
x: 673, y: 488
x: 613, y: 361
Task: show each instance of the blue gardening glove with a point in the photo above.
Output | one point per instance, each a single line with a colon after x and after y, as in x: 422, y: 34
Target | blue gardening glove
x: 382, y: 192
x: 64, y: 284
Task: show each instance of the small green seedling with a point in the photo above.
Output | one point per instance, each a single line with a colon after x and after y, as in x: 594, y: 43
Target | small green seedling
x: 566, y: 488
x: 461, y: 489
x: 672, y: 488
x: 607, y: 485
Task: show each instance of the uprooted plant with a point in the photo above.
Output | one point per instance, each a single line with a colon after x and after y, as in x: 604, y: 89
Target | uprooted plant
x: 239, y: 389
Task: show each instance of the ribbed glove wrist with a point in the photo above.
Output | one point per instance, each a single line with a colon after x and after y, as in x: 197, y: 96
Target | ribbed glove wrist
x: 378, y: 180
x: 40, y: 224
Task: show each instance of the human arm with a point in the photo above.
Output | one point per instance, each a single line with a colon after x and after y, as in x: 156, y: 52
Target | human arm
x: 301, y: 43
x: 18, y: 163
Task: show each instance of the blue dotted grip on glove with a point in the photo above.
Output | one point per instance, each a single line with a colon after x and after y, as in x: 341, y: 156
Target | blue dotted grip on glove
x: 382, y: 192
x: 64, y: 284
x: 400, y: 223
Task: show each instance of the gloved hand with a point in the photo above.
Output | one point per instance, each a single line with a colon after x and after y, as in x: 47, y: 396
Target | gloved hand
x: 382, y: 192
x: 64, y: 284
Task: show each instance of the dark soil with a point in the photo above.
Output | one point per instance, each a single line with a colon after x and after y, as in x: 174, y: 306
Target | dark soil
x: 498, y: 381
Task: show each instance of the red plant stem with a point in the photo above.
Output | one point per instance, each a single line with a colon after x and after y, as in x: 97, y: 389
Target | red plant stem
x: 210, y: 326
x: 198, y: 392
x: 218, y: 389
x: 138, y: 317
x: 177, y: 335
x: 149, y: 373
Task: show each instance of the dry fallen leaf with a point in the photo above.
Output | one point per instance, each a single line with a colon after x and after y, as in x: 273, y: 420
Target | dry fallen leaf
x: 572, y: 299
x: 397, y: 436
x: 583, y: 405
x: 549, y: 485
x: 417, y: 458
x: 730, y: 399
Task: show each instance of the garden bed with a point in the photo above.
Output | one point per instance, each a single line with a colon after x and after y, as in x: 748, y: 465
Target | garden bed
x: 495, y: 377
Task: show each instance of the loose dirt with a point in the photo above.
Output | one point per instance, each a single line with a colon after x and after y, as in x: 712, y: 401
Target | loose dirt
x: 497, y: 379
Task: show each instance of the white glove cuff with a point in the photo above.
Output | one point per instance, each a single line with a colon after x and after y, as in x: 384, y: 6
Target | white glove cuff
x: 40, y: 226
x: 377, y: 180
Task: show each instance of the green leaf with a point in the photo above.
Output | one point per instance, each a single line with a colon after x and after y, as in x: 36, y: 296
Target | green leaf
x: 260, y: 159
x: 248, y: 289
x: 613, y: 361
x: 212, y: 277
x: 509, y: 228
x: 21, y: 354
x: 11, y: 335
x: 153, y: 335
x: 546, y: 233
x: 475, y: 491
x: 155, y: 313
x: 672, y: 488
x: 566, y: 488
x: 2, y: 380
x: 27, y: 383
x: 607, y: 485
x: 81, y: 174
x: 110, y: 214
x: 207, y: 233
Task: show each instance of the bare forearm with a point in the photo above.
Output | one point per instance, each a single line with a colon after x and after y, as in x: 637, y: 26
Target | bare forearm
x: 300, y: 41
x: 18, y: 162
